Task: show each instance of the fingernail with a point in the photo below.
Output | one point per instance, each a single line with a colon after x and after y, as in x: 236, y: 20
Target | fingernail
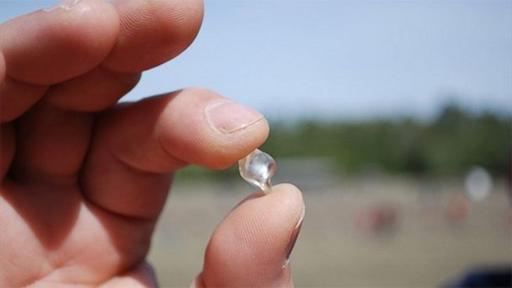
x: 63, y: 4
x: 293, y: 238
x: 228, y: 117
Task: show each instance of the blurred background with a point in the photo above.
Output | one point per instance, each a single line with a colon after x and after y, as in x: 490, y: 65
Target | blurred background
x: 393, y: 117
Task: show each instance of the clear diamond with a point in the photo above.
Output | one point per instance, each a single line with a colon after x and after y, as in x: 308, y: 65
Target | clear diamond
x: 257, y: 169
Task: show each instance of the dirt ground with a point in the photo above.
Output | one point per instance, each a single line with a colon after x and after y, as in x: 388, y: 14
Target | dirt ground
x: 361, y: 233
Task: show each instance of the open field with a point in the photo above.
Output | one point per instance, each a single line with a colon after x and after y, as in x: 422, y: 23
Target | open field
x: 423, y: 245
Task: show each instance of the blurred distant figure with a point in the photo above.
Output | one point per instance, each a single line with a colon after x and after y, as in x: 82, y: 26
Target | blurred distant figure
x: 457, y: 210
x: 380, y: 219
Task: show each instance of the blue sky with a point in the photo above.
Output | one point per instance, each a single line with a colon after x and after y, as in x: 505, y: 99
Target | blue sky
x: 343, y: 59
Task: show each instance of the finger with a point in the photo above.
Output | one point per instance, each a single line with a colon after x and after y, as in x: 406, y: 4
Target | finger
x: 51, y: 144
x: 57, y: 45
x: 153, y: 32
x: 251, y: 247
x: 137, y: 145
x: 78, y: 93
x: 16, y: 97
x: 60, y: 43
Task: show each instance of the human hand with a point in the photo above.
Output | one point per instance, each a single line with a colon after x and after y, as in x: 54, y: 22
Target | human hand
x: 84, y: 179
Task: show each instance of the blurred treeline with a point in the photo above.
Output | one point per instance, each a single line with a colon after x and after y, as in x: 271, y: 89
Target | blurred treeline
x: 446, y: 146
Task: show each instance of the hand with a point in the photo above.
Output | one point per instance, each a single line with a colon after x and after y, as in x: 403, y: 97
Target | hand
x: 84, y: 179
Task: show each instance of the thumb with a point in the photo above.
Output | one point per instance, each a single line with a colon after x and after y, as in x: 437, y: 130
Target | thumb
x: 251, y: 246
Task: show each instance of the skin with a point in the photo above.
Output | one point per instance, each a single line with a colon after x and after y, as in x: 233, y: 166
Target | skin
x: 83, y: 179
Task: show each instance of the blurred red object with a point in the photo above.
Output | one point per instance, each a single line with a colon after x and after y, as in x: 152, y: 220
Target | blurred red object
x: 457, y: 210
x: 380, y: 219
